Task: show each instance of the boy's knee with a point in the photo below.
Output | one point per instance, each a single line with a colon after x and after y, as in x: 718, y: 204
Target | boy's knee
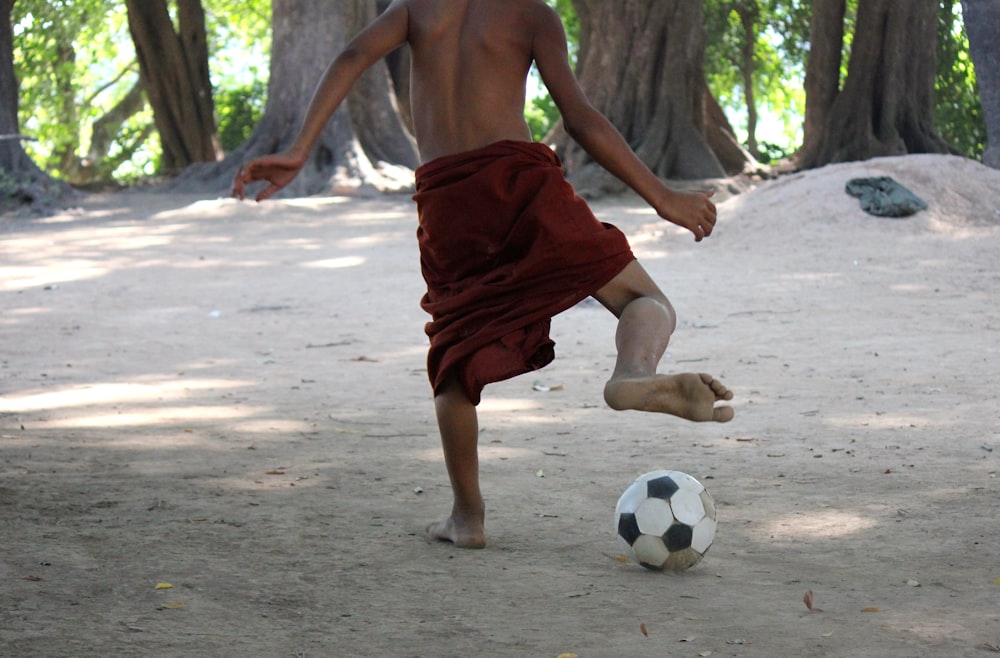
x: 670, y: 313
x: 660, y: 305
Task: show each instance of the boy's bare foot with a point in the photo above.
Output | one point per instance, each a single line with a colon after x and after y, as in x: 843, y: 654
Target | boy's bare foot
x: 462, y: 531
x: 687, y: 395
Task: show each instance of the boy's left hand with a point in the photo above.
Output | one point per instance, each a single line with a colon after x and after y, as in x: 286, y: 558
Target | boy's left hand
x: 279, y: 170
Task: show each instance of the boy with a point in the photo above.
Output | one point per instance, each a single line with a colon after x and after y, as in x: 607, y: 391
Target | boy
x: 504, y: 243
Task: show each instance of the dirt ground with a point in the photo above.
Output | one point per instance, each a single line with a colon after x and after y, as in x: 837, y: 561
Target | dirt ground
x: 217, y: 439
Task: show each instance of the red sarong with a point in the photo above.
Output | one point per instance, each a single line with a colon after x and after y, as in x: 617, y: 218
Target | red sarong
x: 505, y: 244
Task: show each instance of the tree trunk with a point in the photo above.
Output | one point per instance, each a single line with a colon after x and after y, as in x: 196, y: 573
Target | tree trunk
x: 374, y: 113
x: 982, y: 24
x: 749, y: 13
x: 640, y: 64
x: 886, y: 106
x: 21, y: 181
x: 822, y: 84
x: 173, y: 67
x: 363, y: 145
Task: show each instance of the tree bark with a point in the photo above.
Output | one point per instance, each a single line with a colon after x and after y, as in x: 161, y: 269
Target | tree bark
x: 749, y: 13
x: 822, y: 84
x: 21, y: 181
x: 641, y: 65
x: 374, y: 113
x: 364, y: 145
x: 886, y: 106
x: 982, y: 24
x: 173, y: 67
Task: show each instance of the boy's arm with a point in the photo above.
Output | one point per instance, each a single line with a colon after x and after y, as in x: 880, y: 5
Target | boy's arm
x: 599, y: 138
x: 379, y: 38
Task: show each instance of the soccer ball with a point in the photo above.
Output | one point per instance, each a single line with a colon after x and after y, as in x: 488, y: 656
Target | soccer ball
x: 665, y: 520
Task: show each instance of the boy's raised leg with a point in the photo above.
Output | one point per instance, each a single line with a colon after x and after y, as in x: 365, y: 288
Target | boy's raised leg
x: 459, y: 427
x: 645, y: 322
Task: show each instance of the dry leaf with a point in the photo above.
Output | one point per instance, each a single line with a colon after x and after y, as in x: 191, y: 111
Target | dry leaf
x: 33, y: 579
x: 568, y: 655
x: 173, y: 606
x: 705, y: 654
x: 808, y: 600
x: 163, y: 586
x: 997, y: 581
x: 274, y: 472
x: 642, y: 629
x: 624, y: 559
x: 870, y: 608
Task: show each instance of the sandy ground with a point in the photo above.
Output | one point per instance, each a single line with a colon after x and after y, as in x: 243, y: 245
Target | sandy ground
x: 231, y: 400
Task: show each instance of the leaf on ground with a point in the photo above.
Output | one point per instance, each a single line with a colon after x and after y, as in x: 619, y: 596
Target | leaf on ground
x: 808, y: 599
x: 624, y: 559
x: 163, y: 586
x: 568, y: 655
x: 173, y: 606
x: 642, y: 629
x: 34, y: 579
x: 274, y: 472
x: 997, y: 581
x: 870, y: 608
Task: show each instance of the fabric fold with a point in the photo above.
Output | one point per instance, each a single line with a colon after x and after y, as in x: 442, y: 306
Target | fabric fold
x: 505, y: 245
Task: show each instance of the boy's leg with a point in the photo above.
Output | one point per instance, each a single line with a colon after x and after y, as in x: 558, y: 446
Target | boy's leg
x: 645, y: 322
x: 459, y: 427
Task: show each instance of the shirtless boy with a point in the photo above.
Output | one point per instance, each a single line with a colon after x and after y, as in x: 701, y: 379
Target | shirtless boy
x: 470, y: 61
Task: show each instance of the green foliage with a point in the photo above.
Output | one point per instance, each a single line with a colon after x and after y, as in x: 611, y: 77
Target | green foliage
x: 780, y: 47
x: 74, y: 61
x: 541, y: 114
x: 958, y: 112
x: 239, y: 108
x: 540, y: 111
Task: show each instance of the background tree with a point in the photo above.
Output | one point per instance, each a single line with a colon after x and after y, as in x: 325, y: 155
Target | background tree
x: 641, y: 64
x: 363, y: 144
x: 754, y: 62
x: 79, y: 89
x: 886, y: 105
x: 173, y: 67
x: 982, y: 22
x: 21, y: 181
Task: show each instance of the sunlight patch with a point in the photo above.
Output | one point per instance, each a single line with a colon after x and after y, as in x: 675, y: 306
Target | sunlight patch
x: 110, y: 394
x: 336, y: 263
x: 818, y: 524
x: 180, y: 416
x: 508, y: 404
x: 23, y: 278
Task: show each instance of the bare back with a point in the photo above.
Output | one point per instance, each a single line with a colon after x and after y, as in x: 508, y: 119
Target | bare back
x: 470, y: 64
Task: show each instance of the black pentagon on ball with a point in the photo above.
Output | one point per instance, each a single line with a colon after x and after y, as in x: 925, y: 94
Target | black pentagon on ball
x: 628, y: 528
x: 678, y: 537
x: 662, y: 487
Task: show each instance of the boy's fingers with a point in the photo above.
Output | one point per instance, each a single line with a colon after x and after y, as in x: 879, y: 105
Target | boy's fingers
x: 268, y: 192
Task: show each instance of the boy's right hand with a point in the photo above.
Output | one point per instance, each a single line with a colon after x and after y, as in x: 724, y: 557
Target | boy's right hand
x: 691, y: 210
x: 279, y: 170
